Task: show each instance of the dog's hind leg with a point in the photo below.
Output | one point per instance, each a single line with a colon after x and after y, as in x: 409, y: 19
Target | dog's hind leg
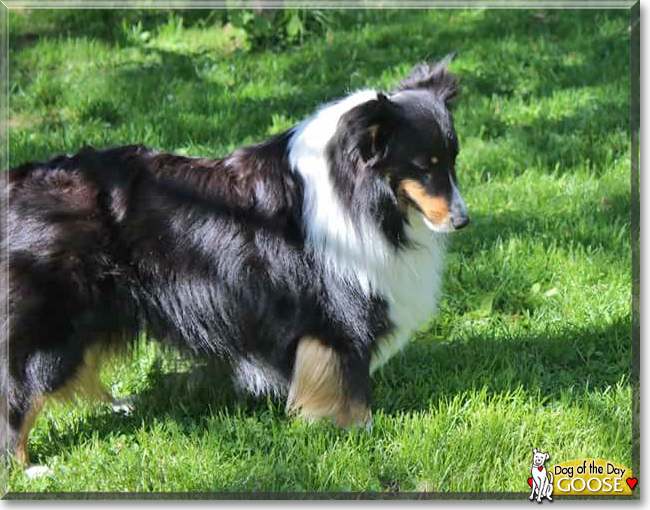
x: 21, y: 450
x: 42, y: 360
x: 20, y: 424
x: 28, y: 389
x: 20, y: 411
x: 48, y: 378
x: 326, y: 383
x: 87, y: 383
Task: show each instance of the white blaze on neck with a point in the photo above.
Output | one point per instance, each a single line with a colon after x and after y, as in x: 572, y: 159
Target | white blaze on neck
x: 349, y: 251
x: 357, y: 251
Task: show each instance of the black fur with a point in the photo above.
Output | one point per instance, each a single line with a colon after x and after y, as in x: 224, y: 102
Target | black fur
x: 433, y: 77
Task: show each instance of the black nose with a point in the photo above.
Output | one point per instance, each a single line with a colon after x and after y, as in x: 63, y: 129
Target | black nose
x: 460, y: 221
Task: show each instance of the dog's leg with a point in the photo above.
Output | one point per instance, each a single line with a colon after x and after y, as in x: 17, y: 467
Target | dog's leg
x: 549, y: 490
x: 22, y: 423
x: 119, y: 405
x: 532, y: 490
x: 541, y: 488
x: 123, y: 405
x: 87, y: 383
x: 320, y: 386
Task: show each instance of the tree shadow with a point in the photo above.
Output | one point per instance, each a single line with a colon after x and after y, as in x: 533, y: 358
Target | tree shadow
x: 598, y: 227
x: 550, y: 365
x: 557, y: 145
x: 565, y: 43
x: 104, y: 24
x: 327, y: 71
x: 577, y: 40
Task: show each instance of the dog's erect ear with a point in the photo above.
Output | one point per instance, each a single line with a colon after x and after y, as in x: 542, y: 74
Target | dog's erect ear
x: 534, y: 450
x: 433, y: 77
x: 370, y: 127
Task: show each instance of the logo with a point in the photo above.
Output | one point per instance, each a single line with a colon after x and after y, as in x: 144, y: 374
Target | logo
x: 579, y: 477
x: 541, y: 485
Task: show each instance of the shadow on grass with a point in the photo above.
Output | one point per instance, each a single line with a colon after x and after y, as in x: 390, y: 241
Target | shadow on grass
x: 326, y: 71
x: 551, y: 365
x: 190, y: 398
x: 561, y: 365
x: 531, y: 53
x: 104, y: 24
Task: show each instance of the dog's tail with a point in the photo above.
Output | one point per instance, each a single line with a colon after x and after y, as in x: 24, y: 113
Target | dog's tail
x: 551, y: 473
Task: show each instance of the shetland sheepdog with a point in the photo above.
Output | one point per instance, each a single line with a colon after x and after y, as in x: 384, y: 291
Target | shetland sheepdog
x: 304, y: 262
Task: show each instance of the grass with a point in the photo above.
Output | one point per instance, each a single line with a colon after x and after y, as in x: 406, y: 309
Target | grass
x: 531, y: 347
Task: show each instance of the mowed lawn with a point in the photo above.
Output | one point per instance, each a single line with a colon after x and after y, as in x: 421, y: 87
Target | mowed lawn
x: 531, y: 347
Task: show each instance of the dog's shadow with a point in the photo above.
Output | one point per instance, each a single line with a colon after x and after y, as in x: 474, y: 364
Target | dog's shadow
x: 190, y: 397
x: 424, y: 376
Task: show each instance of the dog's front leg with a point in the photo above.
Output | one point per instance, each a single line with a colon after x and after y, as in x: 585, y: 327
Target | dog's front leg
x: 330, y: 383
x: 542, y: 489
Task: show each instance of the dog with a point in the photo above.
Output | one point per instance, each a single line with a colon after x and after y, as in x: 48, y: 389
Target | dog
x: 541, y: 484
x: 304, y: 262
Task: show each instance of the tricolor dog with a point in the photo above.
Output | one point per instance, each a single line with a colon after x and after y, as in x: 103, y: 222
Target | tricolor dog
x: 304, y: 262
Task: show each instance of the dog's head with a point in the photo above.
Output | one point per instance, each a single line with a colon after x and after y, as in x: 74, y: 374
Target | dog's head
x: 408, y: 139
x: 539, y: 458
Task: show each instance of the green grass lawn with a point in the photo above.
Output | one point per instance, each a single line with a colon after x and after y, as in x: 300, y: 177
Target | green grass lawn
x: 531, y: 347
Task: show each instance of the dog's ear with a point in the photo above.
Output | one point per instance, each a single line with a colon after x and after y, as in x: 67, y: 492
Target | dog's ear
x: 370, y: 128
x: 547, y: 456
x: 433, y: 77
x: 534, y: 450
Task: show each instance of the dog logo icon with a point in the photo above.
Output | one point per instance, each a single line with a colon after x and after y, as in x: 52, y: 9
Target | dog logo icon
x: 540, y: 485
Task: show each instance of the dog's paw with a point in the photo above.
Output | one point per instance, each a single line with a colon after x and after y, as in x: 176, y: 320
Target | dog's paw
x: 531, y: 497
x: 549, y: 498
x: 123, y: 405
x: 36, y: 471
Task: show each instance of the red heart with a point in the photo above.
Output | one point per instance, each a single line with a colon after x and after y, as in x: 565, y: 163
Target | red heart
x: 631, y: 482
x: 540, y: 467
x: 530, y: 482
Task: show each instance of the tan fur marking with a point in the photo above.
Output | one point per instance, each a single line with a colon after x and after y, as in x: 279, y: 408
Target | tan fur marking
x: 86, y: 383
x: 317, y: 389
x: 434, y: 208
x: 21, y: 450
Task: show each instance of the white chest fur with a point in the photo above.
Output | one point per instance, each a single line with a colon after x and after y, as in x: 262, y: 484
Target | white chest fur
x: 411, y: 286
